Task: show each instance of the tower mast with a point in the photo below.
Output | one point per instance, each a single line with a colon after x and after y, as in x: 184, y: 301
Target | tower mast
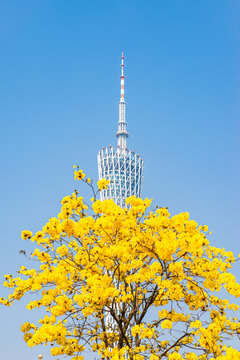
x: 122, y: 133
x: 122, y: 167
x: 122, y: 77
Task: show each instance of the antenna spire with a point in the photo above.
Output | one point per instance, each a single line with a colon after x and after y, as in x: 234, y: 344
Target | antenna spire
x: 122, y: 133
x: 122, y: 77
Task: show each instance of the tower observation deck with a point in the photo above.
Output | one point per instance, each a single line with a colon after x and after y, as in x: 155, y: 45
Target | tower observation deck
x: 122, y: 167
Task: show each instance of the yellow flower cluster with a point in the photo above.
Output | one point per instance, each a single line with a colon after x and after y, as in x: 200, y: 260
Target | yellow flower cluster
x: 79, y: 175
x: 166, y: 324
x: 101, y: 269
x: 26, y: 234
x: 143, y: 332
x: 103, y: 184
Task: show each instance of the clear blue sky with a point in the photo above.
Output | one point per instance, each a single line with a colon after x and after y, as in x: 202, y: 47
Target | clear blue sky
x: 59, y: 92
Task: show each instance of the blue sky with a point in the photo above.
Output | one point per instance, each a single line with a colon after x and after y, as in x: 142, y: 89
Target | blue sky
x: 59, y: 93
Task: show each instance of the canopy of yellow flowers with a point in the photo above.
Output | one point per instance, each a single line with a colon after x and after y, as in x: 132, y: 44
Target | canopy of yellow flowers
x: 103, y: 268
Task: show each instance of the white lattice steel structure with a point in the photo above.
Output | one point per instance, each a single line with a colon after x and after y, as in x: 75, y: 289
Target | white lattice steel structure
x: 122, y: 167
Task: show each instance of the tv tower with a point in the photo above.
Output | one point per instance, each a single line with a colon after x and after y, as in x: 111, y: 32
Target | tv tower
x: 122, y: 167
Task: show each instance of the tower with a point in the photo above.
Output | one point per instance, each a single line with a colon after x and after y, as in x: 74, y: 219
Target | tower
x: 122, y: 167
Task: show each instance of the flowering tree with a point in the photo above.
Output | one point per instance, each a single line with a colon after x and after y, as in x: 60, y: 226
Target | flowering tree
x: 101, y: 273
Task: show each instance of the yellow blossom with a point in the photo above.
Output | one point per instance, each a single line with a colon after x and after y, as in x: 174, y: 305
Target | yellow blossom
x: 166, y: 324
x: 78, y: 174
x: 26, y: 234
x: 103, y: 184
